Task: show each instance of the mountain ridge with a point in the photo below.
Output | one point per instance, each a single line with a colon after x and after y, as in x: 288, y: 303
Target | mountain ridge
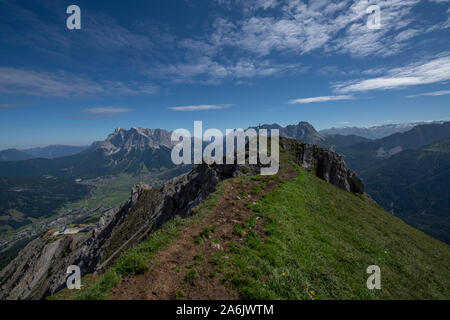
x: 380, y: 131
x: 135, y: 221
x: 54, y: 151
x: 360, y: 154
x: 14, y: 155
x: 131, y: 151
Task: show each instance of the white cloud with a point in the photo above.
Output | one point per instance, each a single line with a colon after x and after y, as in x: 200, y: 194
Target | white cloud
x: 200, y: 107
x: 208, y: 71
x: 101, y: 113
x: 64, y: 84
x: 265, y: 28
x: 431, y: 94
x: 321, y: 99
x: 301, y: 27
x: 249, y: 6
x: 424, y: 72
x: 105, y: 110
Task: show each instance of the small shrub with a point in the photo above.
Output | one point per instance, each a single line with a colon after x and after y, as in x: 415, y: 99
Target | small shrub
x: 198, y: 259
x: 237, y: 229
x: 205, y: 232
x: 179, y: 294
x: 198, y: 240
x: 256, y: 189
x: 217, y: 258
x: 191, y: 274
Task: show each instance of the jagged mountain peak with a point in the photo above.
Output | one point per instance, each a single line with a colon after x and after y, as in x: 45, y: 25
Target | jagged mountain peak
x: 302, y: 131
x: 136, y: 138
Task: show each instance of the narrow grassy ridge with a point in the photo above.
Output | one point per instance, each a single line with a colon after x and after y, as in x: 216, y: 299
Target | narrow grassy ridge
x: 302, y: 239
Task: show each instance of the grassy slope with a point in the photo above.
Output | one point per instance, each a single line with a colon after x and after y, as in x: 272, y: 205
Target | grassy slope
x: 317, y: 244
x: 323, y: 239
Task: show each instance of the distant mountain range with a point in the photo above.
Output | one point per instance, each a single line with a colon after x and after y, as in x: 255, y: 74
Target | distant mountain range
x: 377, y: 132
x: 124, y: 151
x: 49, y: 152
x: 14, y: 155
x: 54, y: 151
x: 360, y: 155
x: 305, y: 132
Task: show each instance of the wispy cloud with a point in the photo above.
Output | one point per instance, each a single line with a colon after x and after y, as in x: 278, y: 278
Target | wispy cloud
x: 321, y: 99
x: 431, y: 94
x: 201, y: 107
x: 4, y: 106
x: 300, y: 27
x: 64, y: 84
x: 206, y: 70
x: 424, y: 72
x: 101, y: 113
x: 105, y: 110
x: 96, y: 35
x: 266, y: 28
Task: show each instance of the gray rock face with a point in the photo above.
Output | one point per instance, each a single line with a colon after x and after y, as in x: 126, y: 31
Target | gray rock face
x: 134, y: 139
x: 40, y: 268
x: 328, y: 165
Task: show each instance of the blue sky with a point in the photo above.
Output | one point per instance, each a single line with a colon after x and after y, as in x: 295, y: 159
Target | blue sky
x: 229, y: 63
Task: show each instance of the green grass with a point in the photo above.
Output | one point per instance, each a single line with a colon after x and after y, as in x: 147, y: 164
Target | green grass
x: 319, y: 242
x: 140, y: 258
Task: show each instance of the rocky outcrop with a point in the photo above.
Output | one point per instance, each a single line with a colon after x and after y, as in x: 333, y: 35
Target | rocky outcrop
x: 40, y: 268
x: 327, y: 165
